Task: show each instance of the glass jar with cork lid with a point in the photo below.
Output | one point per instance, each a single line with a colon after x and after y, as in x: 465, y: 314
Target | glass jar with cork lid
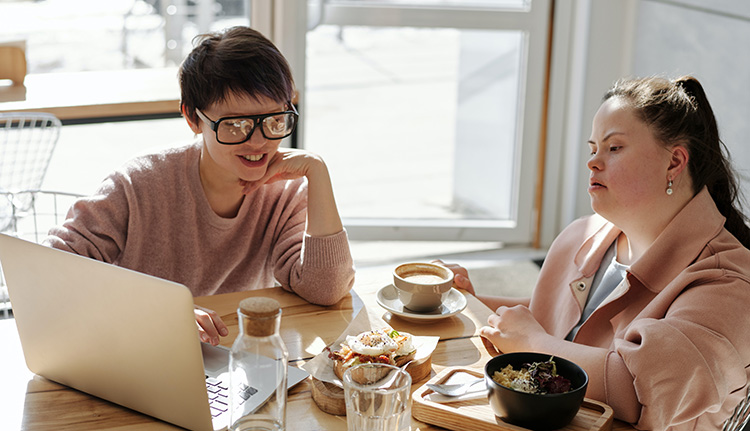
x: 258, y: 368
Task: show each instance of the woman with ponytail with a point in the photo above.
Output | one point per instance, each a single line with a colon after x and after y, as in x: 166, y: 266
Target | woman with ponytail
x: 650, y: 295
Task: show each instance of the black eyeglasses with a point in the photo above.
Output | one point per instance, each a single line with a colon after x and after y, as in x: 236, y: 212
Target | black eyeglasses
x: 236, y: 130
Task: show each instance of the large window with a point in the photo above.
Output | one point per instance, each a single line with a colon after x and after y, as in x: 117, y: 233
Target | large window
x: 428, y: 114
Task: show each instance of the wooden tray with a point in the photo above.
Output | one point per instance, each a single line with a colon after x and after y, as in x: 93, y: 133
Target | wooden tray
x: 476, y: 414
x: 330, y: 398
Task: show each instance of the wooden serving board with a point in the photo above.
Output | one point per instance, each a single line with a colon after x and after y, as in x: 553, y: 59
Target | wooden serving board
x: 330, y: 398
x: 476, y: 414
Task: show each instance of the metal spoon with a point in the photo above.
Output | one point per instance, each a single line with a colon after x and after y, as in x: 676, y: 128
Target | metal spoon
x: 457, y: 389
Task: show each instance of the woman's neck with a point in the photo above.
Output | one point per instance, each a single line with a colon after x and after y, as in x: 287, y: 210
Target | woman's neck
x: 224, y: 194
x: 636, y: 237
x: 624, y: 253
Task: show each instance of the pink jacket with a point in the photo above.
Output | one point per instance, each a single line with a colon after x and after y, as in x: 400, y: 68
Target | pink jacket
x: 152, y: 216
x: 677, y: 328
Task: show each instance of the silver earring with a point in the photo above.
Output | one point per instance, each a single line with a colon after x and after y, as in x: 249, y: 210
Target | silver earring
x: 669, y: 188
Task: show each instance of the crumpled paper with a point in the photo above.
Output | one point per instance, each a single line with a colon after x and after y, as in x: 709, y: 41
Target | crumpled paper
x: 321, y: 366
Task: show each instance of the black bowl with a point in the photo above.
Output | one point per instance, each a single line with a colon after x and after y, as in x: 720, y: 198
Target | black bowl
x: 535, y: 411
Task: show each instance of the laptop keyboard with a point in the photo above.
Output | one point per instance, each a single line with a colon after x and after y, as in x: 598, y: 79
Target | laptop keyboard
x: 218, y: 396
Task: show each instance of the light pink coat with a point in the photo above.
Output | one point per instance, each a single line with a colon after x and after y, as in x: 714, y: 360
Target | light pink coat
x: 677, y: 328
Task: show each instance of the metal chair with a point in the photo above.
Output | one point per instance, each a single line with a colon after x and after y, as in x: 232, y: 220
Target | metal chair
x: 46, y: 209
x: 741, y: 415
x: 27, y: 141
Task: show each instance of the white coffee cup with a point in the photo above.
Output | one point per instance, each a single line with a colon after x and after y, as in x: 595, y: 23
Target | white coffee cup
x: 422, y: 287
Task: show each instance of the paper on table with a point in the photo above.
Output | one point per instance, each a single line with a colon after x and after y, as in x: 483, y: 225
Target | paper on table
x: 478, y: 391
x: 321, y: 366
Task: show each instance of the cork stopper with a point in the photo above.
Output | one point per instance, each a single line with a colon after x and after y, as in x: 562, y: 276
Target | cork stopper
x: 260, y: 315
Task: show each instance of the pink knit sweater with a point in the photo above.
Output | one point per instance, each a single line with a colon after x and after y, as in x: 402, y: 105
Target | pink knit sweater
x: 152, y: 216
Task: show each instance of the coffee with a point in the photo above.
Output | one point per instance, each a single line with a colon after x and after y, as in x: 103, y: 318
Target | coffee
x: 424, y: 278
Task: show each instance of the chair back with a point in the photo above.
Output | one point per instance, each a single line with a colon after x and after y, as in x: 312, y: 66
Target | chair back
x: 13, y: 62
x: 27, y: 142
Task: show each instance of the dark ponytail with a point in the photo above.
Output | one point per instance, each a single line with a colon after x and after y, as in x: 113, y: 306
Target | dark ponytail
x: 710, y: 165
x: 678, y: 112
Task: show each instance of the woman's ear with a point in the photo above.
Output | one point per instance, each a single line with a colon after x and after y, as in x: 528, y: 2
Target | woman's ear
x: 678, y: 161
x: 195, y: 127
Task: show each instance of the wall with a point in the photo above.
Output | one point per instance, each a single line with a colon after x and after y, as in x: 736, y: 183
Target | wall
x: 711, y: 41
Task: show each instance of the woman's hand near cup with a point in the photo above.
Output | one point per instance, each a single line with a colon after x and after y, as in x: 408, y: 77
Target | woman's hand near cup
x: 461, y: 281
x: 460, y: 276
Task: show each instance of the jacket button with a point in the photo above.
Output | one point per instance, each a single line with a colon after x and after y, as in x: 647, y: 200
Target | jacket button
x: 581, y: 286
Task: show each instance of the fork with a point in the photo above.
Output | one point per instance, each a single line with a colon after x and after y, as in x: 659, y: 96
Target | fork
x: 454, y: 390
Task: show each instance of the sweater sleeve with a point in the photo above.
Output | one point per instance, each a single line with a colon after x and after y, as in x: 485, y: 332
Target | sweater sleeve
x: 96, y: 226
x: 318, y: 269
x: 327, y: 270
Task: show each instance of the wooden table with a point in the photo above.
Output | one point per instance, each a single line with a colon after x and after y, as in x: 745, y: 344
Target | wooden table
x: 86, y: 97
x: 30, y: 402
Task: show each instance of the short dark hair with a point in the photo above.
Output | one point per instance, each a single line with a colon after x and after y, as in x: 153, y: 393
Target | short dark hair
x: 238, y: 60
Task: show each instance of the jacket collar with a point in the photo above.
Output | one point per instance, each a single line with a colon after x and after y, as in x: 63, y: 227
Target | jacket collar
x: 675, y: 248
x: 591, y: 253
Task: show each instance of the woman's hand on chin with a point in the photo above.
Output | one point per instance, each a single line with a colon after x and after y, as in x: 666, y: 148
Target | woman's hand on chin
x: 286, y: 164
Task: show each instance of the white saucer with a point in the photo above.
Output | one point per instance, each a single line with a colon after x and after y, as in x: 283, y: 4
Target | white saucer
x: 453, y: 304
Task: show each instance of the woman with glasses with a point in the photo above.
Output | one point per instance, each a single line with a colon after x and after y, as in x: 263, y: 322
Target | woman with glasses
x: 649, y: 295
x: 233, y: 211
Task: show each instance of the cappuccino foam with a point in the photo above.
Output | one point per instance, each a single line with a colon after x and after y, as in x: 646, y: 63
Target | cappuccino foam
x: 424, y: 278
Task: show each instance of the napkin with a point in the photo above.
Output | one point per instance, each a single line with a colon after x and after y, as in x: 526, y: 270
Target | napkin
x: 321, y: 366
x: 478, y: 391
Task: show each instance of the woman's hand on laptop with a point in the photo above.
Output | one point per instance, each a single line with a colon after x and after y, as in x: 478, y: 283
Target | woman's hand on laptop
x: 210, y: 325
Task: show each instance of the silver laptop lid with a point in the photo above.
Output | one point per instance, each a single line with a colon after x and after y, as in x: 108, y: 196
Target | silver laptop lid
x: 108, y: 331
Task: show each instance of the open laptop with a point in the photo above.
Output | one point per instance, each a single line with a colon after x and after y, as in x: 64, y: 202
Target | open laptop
x: 117, y: 334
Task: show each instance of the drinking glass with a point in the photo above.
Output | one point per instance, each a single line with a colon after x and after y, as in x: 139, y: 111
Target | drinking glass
x: 378, y: 398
